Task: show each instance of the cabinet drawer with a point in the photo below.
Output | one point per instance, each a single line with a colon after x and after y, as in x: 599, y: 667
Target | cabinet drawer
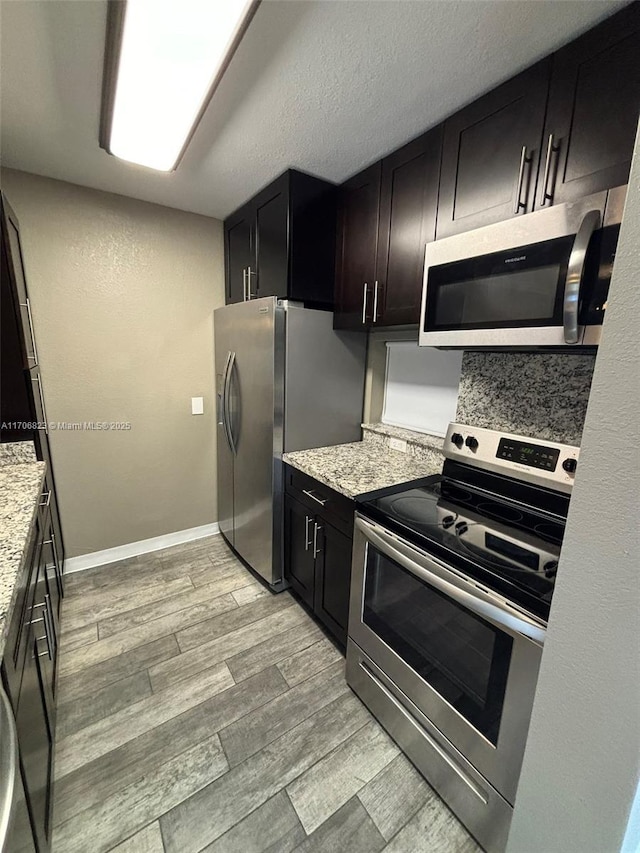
x: 320, y: 499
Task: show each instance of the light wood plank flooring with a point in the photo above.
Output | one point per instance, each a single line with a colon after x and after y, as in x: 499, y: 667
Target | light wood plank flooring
x: 200, y: 712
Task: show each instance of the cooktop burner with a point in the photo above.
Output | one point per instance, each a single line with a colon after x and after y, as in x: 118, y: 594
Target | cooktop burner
x: 485, y: 534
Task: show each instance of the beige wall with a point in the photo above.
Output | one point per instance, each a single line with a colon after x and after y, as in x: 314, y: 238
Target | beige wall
x: 122, y: 294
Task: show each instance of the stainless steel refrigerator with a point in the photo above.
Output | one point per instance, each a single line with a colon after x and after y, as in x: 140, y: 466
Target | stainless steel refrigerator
x: 285, y: 381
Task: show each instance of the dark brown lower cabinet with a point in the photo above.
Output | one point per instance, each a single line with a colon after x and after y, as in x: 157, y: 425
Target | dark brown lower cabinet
x: 299, y: 561
x: 318, y: 543
x: 35, y: 737
x: 29, y: 672
x: 333, y: 580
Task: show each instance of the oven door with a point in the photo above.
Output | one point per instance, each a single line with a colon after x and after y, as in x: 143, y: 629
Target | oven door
x: 466, y: 658
x: 514, y: 284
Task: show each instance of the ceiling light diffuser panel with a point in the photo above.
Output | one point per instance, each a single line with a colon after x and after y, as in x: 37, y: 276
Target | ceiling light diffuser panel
x: 164, y: 59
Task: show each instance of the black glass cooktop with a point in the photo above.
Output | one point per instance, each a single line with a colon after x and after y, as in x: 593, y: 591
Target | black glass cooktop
x: 511, y: 545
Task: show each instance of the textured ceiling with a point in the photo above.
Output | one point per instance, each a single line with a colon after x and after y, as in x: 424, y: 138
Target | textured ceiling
x: 326, y: 87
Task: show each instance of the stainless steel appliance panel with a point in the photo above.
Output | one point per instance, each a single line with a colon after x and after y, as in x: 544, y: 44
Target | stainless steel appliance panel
x: 252, y: 411
x: 324, y: 381
x: 499, y: 760
x: 561, y: 221
x: 478, y: 805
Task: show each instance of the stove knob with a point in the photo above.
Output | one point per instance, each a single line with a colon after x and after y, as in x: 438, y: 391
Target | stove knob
x: 570, y: 465
x: 551, y: 568
x: 457, y: 439
x: 471, y: 442
x: 461, y: 528
x: 447, y: 521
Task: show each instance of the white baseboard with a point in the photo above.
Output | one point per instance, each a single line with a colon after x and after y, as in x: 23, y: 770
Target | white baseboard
x: 134, y: 549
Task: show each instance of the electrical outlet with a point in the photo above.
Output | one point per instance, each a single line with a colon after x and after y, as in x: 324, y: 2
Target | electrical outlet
x: 197, y: 405
x: 398, y: 444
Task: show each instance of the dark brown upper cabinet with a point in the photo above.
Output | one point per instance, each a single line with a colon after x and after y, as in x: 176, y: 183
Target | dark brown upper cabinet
x: 238, y: 232
x: 357, y: 243
x: 592, y: 115
x: 408, y: 204
x: 387, y: 215
x: 282, y: 242
x: 491, y: 153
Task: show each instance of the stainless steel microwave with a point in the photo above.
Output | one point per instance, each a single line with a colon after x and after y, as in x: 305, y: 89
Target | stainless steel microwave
x: 533, y: 282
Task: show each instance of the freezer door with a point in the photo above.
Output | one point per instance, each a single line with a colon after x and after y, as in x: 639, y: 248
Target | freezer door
x: 223, y: 342
x: 254, y: 414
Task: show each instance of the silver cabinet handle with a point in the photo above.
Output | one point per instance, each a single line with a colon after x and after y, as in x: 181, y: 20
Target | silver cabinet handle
x: 44, y: 411
x: 316, y: 550
x: 250, y: 272
x: 244, y: 284
x: 307, y: 541
x: 364, y: 304
x: 375, y: 302
x: 48, y: 611
x: 575, y: 271
x: 313, y: 497
x: 8, y: 766
x: 524, y: 160
x: 552, y: 148
x: 477, y: 600
x: 47, y: 499
x: 34, y: 357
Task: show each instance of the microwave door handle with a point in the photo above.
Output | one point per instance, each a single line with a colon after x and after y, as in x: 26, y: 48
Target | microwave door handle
x: 575, y: 273
x: 481, y: 603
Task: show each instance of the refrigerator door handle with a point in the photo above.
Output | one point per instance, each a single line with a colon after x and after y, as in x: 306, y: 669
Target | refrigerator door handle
x: 225, y: 395
x: 226, y: 402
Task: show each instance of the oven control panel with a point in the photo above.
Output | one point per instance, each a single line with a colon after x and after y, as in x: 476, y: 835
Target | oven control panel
x: 544, y: 463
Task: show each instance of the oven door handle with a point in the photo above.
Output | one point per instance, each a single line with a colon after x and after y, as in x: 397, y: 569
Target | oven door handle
x: 575, y: 272
x: 479, y: 601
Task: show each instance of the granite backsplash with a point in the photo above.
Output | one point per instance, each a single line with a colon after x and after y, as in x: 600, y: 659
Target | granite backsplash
x: 542, y: 395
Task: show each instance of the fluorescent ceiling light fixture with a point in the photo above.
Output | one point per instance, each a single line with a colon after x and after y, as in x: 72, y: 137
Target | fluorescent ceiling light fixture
x: 163, y: 61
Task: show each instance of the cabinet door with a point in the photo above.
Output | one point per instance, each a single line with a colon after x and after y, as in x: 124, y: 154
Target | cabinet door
x: 408, y: 205
x: 43, y: 622
x: 298, y: 531
x: 490, y: 154
x: 356, y: 249
x: 239, y: 253
x: 333, y: 579
x: 593, y: 111
x: 15, y: 270
x: 35, y: 737
x: 272, y: 216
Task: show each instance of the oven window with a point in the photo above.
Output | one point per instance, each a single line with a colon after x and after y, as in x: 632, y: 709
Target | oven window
x: 465, y: 659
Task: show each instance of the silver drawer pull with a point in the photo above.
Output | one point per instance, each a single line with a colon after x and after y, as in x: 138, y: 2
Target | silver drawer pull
x: 46, y: 496
x: 310, y: 494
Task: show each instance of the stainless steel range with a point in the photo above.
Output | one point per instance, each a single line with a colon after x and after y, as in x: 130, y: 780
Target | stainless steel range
x: 452, y: 582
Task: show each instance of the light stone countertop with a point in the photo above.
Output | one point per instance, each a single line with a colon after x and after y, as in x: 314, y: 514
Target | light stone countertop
x: 363, y: 466
x: 20, y: 490
x: 17, y: 453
